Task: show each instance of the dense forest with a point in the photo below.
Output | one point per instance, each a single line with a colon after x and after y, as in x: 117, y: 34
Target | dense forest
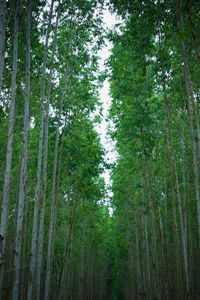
x: 64, y: 234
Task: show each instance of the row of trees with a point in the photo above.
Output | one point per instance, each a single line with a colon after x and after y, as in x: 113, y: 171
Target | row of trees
x: 155, y: 89
x: 53, y: 229
x: 56, y: 237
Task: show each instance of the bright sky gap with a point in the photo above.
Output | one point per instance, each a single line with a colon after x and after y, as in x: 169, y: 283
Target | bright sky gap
x: 109, y: 21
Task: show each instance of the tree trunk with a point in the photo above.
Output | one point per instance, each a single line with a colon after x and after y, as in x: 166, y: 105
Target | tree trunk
x: 196, y: 44
x: 44, y: 185
x: 184, y: 182
x: 5, y: 203
x: 23, y: 287
x: 154, y: 244
x: 183, y: 234
x: 190, y: 100
x: 51, y: 225
x: 81, y: 267
x: 70, y: 236
x: 175, y: 225
x: 23, y: 172
x: 139, y: 279
x: 147, y: 255
x: 157, y: 218
x: 2, y: 38
x: 164, y: 252
x: 33, y: 261
x: 144, y: 262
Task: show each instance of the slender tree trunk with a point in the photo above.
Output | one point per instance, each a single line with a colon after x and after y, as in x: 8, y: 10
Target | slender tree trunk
x: 23, y: 172
x: 149, y: 281
x: 173, y: 160
x: 66, y: 230
x: 156, y: 216
x: 154, y: 243
x: 69, y: 269
x: 196, y: 44
x: 44, y: 185
x: 5, y: 203
x: 52, y: 215
x: 139, y: 279
x: 175, y: 225
x: 164, y: 252
x: 184, y: 182
x: 60, y: 280
x: 88, y: 282
x: 190, y: 100
x: 33, y: 260
x: 2, y: 38
x: 144, y: 262
x: 195, y: 160
x: 91, y: 278
x: 58, y: 183
x: 147, y: 255
x: 65, y: 233
x: 50, y: 236
x: 183, y: 234
x: 81, y: 267
x: 23, y: 286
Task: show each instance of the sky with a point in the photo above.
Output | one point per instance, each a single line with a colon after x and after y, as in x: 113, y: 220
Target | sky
x: 110, y: 156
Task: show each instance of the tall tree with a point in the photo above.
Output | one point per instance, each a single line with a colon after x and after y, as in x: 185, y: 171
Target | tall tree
x: 23, y: 171
x: 39, y: 162
x: 2, y: 38
x: 5, y: 203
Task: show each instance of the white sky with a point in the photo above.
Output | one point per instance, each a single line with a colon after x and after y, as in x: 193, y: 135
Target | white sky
x: 109, y: 21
